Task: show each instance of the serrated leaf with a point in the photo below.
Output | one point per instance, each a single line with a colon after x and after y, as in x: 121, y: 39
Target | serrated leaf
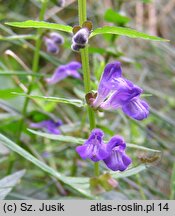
x: 7, y: 183
x: 75, y: 102
x: 41, y: 24
x: 132, y: 33
x: 81, y: 189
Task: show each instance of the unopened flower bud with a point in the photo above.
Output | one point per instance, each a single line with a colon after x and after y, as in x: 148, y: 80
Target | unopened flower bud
x: 56, y: 37
x: 77, y: 47
x: 51, y: 45
x: 81, y: 37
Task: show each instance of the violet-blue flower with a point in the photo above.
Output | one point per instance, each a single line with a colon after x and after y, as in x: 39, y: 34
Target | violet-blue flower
x: 114, y: 92
x: 128, y: 99
x: 110, y: 80
x: 63, y: 71
x: 117, y: 160
x: 136, y: 108
x: 51, y: 46
x: 94, y: 147
x: 53, y: 41
x: 49, y: 126
x: 121, y: 97
x: 56, y: 38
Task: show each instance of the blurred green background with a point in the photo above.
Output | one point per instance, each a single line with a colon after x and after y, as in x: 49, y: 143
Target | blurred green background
x: 149, y: 64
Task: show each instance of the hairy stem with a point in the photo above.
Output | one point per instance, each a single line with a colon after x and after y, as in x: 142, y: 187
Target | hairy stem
x: 86, y: 71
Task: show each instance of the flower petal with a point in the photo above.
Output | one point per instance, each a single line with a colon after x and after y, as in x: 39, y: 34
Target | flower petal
x: 84, y: 151
x: 59, y: 74
x: 93, y: 148
x: 51, y: 46
x: 74, y: 65
x: 56, y: 38
x: 65, y: 70
x: 137, y: 109
x: 121, y: 97
x: 49, y: 126
x: 109, y: 81
x: 110, y: 75
x: 117, y: 160
x: 116, y: 141
x: 53, y: 131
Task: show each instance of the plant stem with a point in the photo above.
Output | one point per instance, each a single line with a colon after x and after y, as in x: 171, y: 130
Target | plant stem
x: 87, y: 81
x: 35, y: 65
x: 86, y: 72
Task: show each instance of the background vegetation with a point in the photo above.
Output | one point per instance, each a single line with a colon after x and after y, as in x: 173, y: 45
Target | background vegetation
x: 149, y: 64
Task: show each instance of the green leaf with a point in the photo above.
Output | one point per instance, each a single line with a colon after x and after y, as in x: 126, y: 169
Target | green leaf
x: 61, y: 138
x: 124, y: 32
x: 21, y: 73
x: 129, y: 172
x: 6, y: 93
x: 114, y: 17
x: 18, y: 37
x: 7, y: 183
x: 75, y: 102
x: 41, y: 24
x: 130, y: 145
x: 76, y: 140
x: 81, y: 189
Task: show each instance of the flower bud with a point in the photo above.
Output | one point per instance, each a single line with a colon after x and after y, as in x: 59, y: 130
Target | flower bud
x: 56, y: 37
x: 51, y: 46
x: 76, y: 47
x: 81, y: 37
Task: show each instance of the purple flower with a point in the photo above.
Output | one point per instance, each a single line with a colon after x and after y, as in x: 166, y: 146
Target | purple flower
x: 136, y: 108
x: 117, y: 160
x: 64, y: 71
x: 56, y: 38
x: 121, y: 97
x: 110, y: 80
x: 114, y: 92
x: 53, y: 41
x: 51, y: 46
x: 49, y: 126
x: 94, y: 147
